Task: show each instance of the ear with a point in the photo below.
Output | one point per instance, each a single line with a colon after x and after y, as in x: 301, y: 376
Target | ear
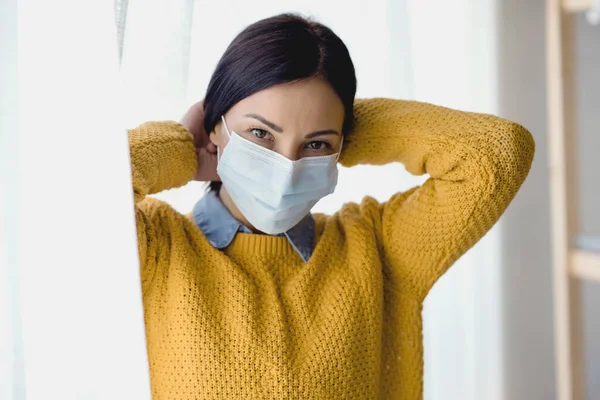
x: 215, y: 135
x: 214, y: 138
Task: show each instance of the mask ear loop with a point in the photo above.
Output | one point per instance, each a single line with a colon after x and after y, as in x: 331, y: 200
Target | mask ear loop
x: 340, y: 152
x: 228, y: 133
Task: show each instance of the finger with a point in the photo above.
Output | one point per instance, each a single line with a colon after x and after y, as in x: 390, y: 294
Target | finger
x: 211, y: 148
x: 201, y: 141
x: 193, y: 120
x: 207, y: 166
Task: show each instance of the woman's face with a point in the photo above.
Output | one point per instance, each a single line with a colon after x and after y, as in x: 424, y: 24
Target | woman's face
x: 296, y: 120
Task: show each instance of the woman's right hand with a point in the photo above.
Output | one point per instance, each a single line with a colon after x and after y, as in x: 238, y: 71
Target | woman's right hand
x: 206, y: 151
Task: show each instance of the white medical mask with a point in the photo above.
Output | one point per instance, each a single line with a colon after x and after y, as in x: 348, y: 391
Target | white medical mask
x: 273, y: 192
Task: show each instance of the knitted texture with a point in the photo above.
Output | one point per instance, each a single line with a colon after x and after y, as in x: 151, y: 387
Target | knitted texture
x: 255, y: 322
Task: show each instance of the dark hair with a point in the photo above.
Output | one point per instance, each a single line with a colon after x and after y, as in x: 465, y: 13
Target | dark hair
x: 275, y: 50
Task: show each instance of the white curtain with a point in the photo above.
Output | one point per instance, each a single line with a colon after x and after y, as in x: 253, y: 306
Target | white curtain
x: 69, y: 279
x: 11, y: 349
x: 61, y: 254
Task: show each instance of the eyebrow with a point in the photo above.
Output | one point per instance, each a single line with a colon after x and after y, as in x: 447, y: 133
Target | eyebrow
x: 280, y: 130
x: 322, y: 133
x: 266, y: 122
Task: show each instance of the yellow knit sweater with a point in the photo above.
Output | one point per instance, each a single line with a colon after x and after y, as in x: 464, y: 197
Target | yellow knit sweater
x: 255, y: 322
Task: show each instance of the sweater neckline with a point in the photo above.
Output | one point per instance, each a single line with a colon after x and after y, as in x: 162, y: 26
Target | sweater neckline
x: 252, y: 243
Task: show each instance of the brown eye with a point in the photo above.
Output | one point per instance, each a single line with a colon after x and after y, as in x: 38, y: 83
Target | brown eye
x: 317, y: 145
x: 259, y: 133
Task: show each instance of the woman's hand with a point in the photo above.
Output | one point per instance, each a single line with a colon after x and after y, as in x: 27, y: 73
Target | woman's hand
x: 206, y: 151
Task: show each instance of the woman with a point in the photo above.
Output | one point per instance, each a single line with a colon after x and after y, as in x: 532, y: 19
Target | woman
x: 252, y: 296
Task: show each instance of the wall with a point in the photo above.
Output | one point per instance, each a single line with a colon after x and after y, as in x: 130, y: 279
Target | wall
x: 587, y: 121
x: 527, y: 270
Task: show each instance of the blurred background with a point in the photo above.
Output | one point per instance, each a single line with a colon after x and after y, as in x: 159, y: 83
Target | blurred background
x: 515, y: 318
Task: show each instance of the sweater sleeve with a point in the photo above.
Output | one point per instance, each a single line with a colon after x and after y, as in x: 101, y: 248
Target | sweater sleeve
x: 476, y: 164
x: 162, y: 157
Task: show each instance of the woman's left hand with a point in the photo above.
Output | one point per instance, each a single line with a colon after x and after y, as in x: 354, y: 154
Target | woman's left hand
x: 206, y: 151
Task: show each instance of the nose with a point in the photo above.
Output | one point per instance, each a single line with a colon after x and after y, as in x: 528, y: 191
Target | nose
x: 290, y: 151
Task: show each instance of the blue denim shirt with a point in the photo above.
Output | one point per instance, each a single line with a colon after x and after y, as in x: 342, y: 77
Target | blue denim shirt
x: 220, y: 227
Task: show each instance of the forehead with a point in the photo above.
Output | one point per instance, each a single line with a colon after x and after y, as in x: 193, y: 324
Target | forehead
x: 306, y: 105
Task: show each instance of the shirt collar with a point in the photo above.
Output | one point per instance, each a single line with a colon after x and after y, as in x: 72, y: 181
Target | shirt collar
x: 220, y: 227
